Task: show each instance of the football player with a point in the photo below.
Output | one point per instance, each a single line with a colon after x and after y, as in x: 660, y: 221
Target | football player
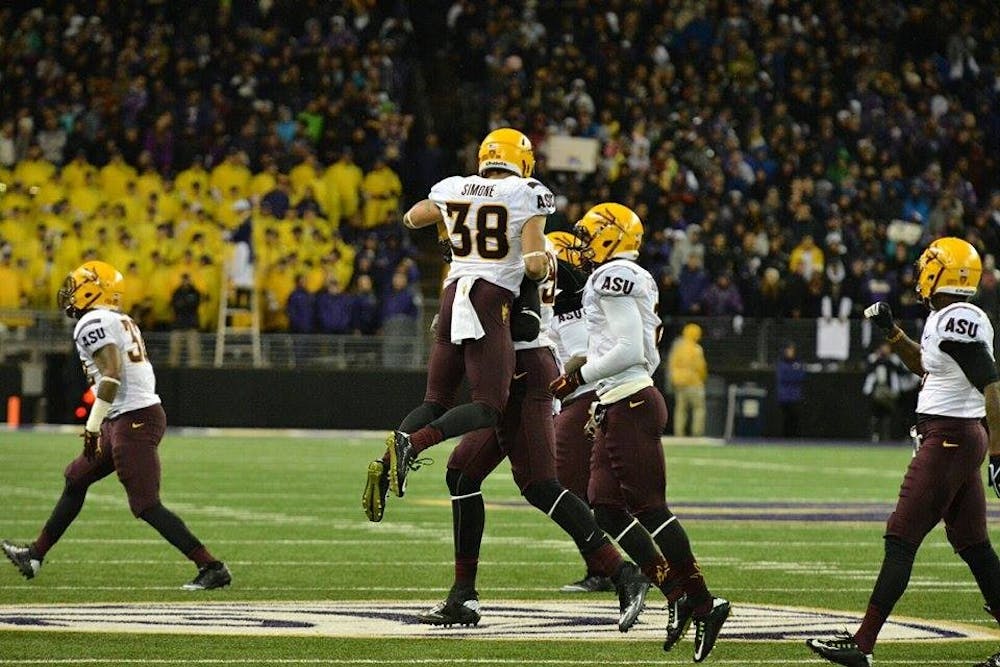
x: 627, y: 486
x: 960, y: 386
x: 495, y: 221
x: 568, y: 332
x: 123, y: 430
x: 526, y: 437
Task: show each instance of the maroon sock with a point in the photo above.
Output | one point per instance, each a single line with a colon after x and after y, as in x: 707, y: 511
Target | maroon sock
x: 41, y: 546
x: 692, y: 583
x: 604, y: 560
x: 871, y: 625
x: 201, y: 556
x: 466, y: 568
x: 659, y: 572
x: 426, y: 437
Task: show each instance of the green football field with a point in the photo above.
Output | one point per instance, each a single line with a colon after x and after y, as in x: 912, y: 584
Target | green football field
x: 782, y: 531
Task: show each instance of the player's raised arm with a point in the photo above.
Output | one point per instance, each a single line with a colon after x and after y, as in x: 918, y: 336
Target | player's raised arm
x: 907, y: 349
x: 423, y: 214
x: 536, y: 261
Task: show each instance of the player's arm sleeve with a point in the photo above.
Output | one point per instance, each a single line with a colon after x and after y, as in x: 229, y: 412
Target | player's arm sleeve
x: 973, y: 357
x: 625, y: 324
x: 527, y: 320
x: 575, y: 338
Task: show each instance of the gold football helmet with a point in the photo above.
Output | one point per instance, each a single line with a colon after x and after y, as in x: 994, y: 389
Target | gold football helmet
x: 609, y: 230
x: 507, y: 149
x: 948, y: 266
x: 568, y: 247
x: 91, y: 285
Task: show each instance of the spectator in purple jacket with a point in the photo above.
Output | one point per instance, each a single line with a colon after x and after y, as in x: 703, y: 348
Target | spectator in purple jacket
x: 400, y: 323
x: 334, y: 309
x: 301, y: 308
x: 722, y: 298
x: 365, y: 314
x: 791, y: 375
x: 692, y: 283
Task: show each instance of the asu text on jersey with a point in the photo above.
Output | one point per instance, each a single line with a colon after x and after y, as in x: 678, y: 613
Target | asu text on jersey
x: 99, y: 328
x: 622, y: 279
x: 946, y: 391
x: 484, y: 217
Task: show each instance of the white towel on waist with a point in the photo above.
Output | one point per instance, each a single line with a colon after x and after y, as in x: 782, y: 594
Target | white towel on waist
x: 465, y: 322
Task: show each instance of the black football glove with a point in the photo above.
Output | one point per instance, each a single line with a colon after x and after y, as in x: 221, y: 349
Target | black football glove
x: 91, y: 445
x: 994, y: 474
x: 880, y: 315
x: 445, y: 246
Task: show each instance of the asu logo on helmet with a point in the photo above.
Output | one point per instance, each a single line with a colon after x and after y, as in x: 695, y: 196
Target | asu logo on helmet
x: 948, y: 266
x: 609, y: 230
x: 507, y: 149
x: 91, y: 285
x: 568, y: 248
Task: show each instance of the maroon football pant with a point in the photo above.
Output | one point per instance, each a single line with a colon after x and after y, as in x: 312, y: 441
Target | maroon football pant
x: 627, y: 468
x: 573, y: 447
x: 943, y: 482
x: 488, y: 362
x: 526, y: 434
x: 129, y: 447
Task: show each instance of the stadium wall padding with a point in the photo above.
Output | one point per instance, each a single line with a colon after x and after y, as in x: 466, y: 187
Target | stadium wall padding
x: 378, y: 399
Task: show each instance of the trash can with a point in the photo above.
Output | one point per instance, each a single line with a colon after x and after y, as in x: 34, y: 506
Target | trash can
x: 745, y: 411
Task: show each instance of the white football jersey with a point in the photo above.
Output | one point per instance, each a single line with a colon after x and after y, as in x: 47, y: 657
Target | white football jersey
x: 101, y: 327
x: 622, y: 279
x: 945, y: 390
x: 484, y: 217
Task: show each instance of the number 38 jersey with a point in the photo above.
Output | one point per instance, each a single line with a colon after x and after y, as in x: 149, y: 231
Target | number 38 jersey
x: 99, y: 328
x: 946, y: 391
x: 484, y: 217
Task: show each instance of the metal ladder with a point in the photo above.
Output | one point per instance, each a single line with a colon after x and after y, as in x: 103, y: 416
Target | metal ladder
x: 246, y: 337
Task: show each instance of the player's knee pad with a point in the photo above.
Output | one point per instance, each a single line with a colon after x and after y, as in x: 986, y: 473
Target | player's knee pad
x: 461, y: 485
x: 490, y: 414
x: 544, y: 494
x: 898, y: 549
x: 74, y: 488
x: 613, y: 520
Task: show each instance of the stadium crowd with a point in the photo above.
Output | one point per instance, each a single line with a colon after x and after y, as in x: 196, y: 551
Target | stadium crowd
x: 150, y: 134
x: 778, y: 152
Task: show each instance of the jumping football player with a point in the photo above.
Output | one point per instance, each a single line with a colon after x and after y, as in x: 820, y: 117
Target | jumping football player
x: 627, y: 486
x: 495, y: 220
x: 526, y: 437
x: 123, y: 430
x: 960, y: 386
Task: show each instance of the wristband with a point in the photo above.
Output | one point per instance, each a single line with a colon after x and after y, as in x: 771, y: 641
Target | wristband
x: 98, y: 412
x: 894, y: 338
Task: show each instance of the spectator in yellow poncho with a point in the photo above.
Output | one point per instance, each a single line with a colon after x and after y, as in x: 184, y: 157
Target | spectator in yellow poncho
x: 688, y: 372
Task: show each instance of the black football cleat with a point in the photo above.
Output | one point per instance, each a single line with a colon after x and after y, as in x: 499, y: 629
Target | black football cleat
x: 992, y: 661
x: 679, y: 614
x: 213, y: 575
x: 461, y: 607
x: 842, y: 650
x: 401, y: 460
x: 708, y: 626
x: 376, y: 490
x: 592, y: 583
x: 20, y: 556
x: 631, y: 587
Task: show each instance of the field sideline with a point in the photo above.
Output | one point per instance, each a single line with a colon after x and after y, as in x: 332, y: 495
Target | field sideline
x: 774, y: 527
